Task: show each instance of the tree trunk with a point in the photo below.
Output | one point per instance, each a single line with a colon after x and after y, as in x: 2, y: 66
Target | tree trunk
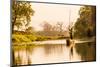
x: 12, y: 27
x: 13, y: 23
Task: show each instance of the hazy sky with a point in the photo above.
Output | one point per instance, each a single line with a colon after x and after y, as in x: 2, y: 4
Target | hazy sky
x: 53, y: 13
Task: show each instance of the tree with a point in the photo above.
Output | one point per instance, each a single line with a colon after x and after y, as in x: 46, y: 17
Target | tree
x: 21, y: 14
x: 71, y: 30
x: 30, y: 29
x: 60, y: 26
x: 46, y: 26
x: 54, y: 28
x: 85, y: 24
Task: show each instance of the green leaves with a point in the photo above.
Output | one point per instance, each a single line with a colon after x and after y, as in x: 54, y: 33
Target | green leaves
x: 21, y: 13
x: 85, y: 24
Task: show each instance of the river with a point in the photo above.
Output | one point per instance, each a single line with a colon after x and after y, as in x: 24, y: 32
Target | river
x: 54, y: 51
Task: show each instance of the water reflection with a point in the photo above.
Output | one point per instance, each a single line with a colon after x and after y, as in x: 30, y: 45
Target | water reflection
x: 22, y: 55
x: 53, y: 53
x: 53, y: 48
x: 87, y: 51
x: 71, y: 53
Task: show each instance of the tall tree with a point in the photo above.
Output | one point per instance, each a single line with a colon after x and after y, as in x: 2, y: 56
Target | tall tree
x: 85, y: 24
x: 21, y: 13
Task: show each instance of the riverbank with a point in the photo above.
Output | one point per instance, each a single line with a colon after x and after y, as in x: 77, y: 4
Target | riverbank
x: 18, y: 38
x: 60, y: 41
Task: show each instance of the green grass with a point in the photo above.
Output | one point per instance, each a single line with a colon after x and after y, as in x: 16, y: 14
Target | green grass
x: 19, y: 38
x: 22, y: 38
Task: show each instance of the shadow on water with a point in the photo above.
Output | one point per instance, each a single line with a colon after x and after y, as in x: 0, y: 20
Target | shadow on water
x: 87, y: 51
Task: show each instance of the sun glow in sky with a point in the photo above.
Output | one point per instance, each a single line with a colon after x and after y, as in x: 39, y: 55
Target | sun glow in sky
x: 53, y: 13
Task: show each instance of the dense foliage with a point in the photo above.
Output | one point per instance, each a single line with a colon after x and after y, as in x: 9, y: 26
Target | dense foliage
x: 21, y: 14
x: 85, y: 25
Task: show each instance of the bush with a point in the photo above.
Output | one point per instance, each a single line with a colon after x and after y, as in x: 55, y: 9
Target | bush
x: 41, y: 38
x: 20, y: 38
x: 31, y: 37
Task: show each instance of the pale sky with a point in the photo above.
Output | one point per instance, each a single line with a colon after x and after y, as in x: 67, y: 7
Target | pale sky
x: 53, y: 13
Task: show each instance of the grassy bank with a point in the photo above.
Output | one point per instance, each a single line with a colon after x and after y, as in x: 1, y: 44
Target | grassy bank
x: 19, y: 38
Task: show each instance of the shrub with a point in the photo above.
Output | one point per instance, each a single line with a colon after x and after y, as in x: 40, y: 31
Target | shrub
x: 31, y: 37
x: 41, y: 38
x: 20, y: 38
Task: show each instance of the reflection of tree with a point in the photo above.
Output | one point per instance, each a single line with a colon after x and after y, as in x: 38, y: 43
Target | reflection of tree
x: 13, y: 58
x: 53, y: 48
x: 29, y: 50
x: 86, y: 50
x: 18, y: 59
x: 71, y: 53
x: 29, y: 61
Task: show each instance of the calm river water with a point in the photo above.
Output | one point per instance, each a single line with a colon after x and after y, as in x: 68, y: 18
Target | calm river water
x: 53, y: 53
